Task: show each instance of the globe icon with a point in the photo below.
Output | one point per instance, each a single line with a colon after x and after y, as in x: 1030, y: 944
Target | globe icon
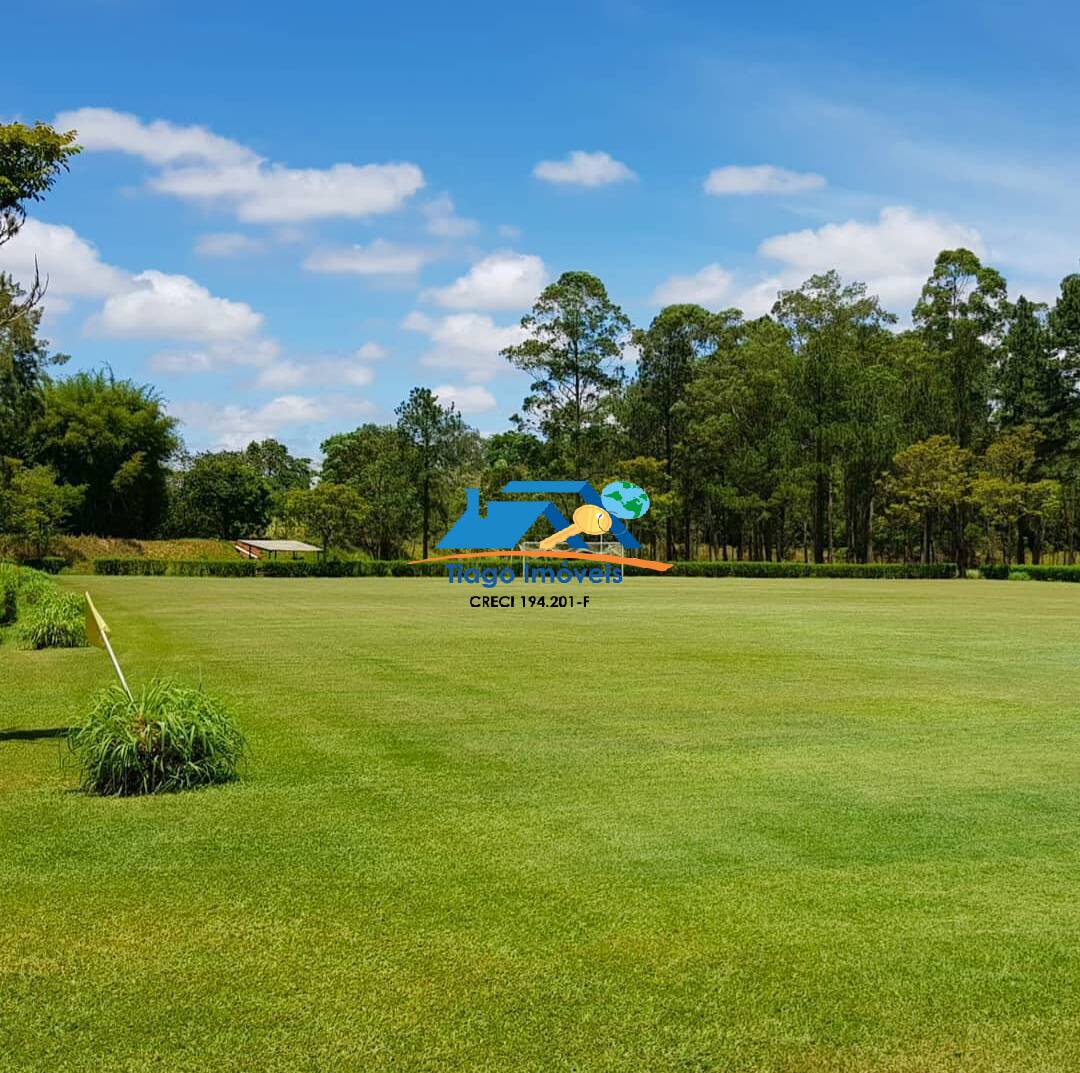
x: 622, y: 499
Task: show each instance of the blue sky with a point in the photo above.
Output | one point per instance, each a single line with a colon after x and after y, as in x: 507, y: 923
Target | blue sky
x: 285, y: 221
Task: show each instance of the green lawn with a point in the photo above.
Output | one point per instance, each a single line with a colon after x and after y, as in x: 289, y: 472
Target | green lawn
x: 699, y: 825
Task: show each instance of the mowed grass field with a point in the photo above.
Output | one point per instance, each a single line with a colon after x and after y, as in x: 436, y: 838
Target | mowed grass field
x: 699, y: 825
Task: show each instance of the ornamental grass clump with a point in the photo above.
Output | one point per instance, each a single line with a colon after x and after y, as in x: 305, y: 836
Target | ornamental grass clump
x: 54, y: 620
x: 170, y: 737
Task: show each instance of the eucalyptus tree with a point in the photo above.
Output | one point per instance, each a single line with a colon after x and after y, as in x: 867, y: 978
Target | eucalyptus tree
x: 575, y: 337
x: 434, y: 434
x: 739, y: 442
x: 837, y: 333
x: 962, y: 313
x: 669, y: 351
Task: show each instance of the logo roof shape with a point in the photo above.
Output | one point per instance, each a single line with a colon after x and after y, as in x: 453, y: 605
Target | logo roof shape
x: 508, y: 521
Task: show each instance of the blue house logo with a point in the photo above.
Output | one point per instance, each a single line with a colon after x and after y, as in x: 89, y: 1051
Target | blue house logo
x: 507, y: 521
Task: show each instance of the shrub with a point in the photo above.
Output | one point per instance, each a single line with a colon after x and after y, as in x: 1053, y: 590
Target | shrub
x: 170, y: 737
x: 1019, y: 575
x: 34, y: 586
x: 56, y: 620
x: 177, y: 567
x: 129, y: 566
x: 9, y: 591
x: 796, y: 569
x: 1031, y: 572
x: 50, y: 564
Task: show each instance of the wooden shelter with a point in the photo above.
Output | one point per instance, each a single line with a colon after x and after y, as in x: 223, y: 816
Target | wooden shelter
x: 271, y: 549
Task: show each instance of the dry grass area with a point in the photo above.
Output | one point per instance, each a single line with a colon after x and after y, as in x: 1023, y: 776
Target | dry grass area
x: 83, y: 549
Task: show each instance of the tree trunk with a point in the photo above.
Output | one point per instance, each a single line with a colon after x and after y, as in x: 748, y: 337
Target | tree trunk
x: 870, y: 532
x: 427, y: 513
x: 819, y: 509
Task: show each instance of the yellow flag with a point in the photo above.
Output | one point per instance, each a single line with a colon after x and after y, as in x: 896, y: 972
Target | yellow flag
x: 96, y: 629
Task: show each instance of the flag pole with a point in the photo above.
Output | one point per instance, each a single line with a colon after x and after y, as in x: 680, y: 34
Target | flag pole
x: 116, y: 667
x: 97, y: 633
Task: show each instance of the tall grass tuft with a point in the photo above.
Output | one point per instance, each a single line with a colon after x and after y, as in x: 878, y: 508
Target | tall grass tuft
x: 55, y: 620
x: 33, y: 585
x: 170, y: 737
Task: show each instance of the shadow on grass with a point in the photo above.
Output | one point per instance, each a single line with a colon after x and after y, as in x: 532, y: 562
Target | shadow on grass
x: 34, y: 735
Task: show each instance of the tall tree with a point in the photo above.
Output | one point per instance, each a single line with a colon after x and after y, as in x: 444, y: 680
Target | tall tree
x: 31, y: 160
x: 1063, y: 324
x: 833, y: 328
x: 435, y: 432
x: 740, y: 443
x: 927, y: 483
x: 272, y: 461
x: 961, y: 313
x: 377, y: 462
x: 114, y: 437
x: 24, y: 359
x: 332, y: 513
x: 575, y: 339
x: 220, y: 495
x: 676, y: 340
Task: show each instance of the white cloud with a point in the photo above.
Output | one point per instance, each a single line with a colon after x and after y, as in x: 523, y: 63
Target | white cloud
x: 218, y: 355
x: 371, y: 352
x: 72, y: 265
x: 760, y: 179
x: 378, y: 258
x: 334, y: 372
x: 504, y: 280
x: 443, y: 221
x: 158, y: 142
x: 158, y: 305
x: 708, y: 287
x: 757, y: 299
x: 469, y: 400
x: 584, y: 169
x: 226, y: 244
x: 233, y: 427
x: 892, y: 255
x: 200, y: 165
x: 467, y: 342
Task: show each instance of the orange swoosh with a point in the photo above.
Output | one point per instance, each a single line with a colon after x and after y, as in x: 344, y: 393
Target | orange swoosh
x: 645, y: 564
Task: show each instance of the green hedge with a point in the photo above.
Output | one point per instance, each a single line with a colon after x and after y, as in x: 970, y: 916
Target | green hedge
x: 401, y: 568
x: 790, y: 569
x: 177, y: 567
x: 352, y: 568
x: 1035, y: 573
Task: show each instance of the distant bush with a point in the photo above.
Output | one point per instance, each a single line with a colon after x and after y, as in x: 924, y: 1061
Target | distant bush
x: 796, y: 570
x: 351, y: 568
x: 170, y: 737
x: 50, y: 564
x: 1030, y: 572
x: 55, y: 620
x: 176, y: 567
x: 9, y: 592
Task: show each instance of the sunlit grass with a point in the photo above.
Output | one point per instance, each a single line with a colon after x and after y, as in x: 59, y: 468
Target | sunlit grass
x: 697, y: 825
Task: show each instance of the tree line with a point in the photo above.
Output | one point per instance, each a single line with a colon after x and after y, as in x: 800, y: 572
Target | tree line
x: 823, y: 430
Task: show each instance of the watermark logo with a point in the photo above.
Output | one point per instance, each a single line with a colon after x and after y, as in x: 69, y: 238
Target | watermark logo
x: 500, y: 527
